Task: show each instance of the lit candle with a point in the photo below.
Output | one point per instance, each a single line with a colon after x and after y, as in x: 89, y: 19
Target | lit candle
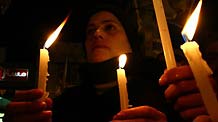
x: 44, y: 59
x: 164, y: 34
x: 43, y: 70
x: 122, y: 81
x: 199, y: 66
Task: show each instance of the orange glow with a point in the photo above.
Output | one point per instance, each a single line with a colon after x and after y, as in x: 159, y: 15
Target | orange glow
x: 122, y: 60
x: 55, y: 34
x: 190, y: 26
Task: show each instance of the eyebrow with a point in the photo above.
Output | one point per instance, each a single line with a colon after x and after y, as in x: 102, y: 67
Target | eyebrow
x: 103, y: 22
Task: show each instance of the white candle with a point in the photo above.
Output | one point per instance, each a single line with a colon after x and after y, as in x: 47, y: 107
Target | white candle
x: 164, y: 34
x: 122, y: 82
x: 199, y: 66
x: 43, y: 71
x: 44, y: 58
x: 201, y: 73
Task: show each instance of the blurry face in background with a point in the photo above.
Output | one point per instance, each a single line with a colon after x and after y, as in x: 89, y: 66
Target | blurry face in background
x: 105, y: 38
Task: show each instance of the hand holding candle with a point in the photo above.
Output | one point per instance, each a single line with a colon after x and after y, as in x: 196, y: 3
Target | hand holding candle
x: 122, y: 81
x: 199, y: 66
x: 44, y: 59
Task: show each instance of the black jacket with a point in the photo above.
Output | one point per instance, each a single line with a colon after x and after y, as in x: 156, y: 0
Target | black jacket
x: 81, y: 103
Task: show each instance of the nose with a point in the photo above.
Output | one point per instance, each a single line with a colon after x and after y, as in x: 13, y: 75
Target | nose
x: 99, y: 33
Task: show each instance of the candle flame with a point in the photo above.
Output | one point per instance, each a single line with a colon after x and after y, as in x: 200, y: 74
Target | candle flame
x: 190, y: 26
x: 55, y: 34
x: 122, y: 60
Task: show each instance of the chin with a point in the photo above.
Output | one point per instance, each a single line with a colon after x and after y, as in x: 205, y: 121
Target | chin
x: 99, y: 58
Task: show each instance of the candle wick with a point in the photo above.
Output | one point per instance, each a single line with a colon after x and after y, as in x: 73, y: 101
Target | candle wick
x: 185, y: 38
x: 44, y: 47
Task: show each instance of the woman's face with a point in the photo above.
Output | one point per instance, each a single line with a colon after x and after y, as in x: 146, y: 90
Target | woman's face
x: 105, y: 37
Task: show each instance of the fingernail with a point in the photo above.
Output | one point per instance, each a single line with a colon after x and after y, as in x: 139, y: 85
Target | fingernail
x: 117, y: 115
x: 44, y: 104
x: 161, y: 80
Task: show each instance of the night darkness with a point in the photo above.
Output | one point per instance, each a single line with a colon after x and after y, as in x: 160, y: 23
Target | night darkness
x: 28, y: 23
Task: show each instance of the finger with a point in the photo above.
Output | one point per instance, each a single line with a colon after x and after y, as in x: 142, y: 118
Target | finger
x: 44, y: 116
x: 190, y: 114
x: 28, y: 95
x: 49, y: 103
x: 180, y: 88
x: 202, y: 118
x: 176, y: 74
x: 188, y: 101
x: 22, y: 107
x: 140, y: 112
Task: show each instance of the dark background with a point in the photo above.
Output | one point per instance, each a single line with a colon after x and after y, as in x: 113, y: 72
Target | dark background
x: 26, y: 24
x: 33, y: 20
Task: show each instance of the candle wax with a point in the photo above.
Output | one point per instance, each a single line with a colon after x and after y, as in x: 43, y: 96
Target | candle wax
x: 43, y: 71
x: 122, y: 82
x: 164, y: 34
x: 201, y: 72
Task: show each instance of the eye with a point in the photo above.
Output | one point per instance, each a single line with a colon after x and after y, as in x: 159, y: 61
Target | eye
x: 109, y: 27
x: 90, y: 31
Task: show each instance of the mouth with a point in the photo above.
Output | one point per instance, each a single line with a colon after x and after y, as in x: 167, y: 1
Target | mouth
x: 96, y: 47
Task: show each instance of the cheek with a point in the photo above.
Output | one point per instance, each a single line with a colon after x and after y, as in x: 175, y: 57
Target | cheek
x: 121, y: 43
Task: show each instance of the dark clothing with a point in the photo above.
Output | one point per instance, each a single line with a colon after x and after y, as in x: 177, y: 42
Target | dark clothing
x: 83, y: 102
